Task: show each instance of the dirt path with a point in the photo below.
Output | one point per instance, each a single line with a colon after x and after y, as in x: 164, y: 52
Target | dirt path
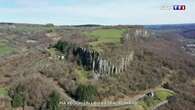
x: 71, y: 102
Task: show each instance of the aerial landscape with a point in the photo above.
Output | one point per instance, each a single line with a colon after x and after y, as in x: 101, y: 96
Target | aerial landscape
x: 96, y: 66
x: 97, y: 63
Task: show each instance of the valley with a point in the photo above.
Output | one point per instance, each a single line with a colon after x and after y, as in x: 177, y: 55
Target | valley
x: 42, y: 66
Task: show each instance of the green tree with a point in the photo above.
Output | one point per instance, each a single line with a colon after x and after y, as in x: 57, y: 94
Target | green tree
x: 86, y: 93
x: 53, y: 103
x: 17, y: 101
x: 50, y: 25
x: 64, y: 47
x: 18, y: 96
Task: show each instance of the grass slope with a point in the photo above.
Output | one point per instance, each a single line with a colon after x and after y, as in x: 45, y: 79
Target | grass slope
x: 148, y: 103
x: 4, y: 48
x: 3, y: 92
x: 83, y: 75
x: 106, y: 35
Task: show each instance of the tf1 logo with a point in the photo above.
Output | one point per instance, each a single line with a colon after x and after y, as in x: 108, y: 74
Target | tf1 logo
x: 173, y: 7
x: 179, y: 7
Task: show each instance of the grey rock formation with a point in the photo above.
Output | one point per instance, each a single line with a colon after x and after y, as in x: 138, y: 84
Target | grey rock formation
x: 135, y: 34
x: 92, y: 60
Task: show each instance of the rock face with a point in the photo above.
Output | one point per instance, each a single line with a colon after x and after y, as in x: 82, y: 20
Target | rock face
x: 91, y: 60
x: 142, y: 32
x: 94, y: 61
x: 135, y: 34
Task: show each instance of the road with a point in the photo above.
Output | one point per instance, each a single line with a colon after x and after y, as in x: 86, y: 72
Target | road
x: 71, y: 102
x: 68, y: 101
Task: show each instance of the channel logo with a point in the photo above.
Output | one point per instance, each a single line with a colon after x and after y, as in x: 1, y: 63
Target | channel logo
x: 173, y: 7
x: 179, y: 7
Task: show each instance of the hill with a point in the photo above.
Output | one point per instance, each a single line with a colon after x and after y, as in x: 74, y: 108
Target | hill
x: 41, y: 65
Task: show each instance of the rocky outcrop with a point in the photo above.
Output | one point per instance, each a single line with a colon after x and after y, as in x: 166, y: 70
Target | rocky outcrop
x: 142, y: 32
x: 92, y: 60
x: 135, y: 34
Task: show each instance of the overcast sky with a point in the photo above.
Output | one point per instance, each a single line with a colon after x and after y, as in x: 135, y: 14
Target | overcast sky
x: 112, y: 12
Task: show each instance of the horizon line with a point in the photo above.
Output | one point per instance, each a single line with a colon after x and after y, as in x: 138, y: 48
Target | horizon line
x: 94, y: 24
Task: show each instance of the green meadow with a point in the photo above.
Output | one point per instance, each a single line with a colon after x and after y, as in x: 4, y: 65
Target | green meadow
x: 5, y: 48
x: 106, y: 35
x: 160, y: 95
x: 3, y: 92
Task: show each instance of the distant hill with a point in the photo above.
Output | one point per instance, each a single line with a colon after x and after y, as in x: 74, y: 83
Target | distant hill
x: 186, y: 30
x: 171, y: 27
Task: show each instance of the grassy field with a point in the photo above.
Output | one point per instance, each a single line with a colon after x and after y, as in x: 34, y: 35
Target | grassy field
x: 103, y: 36
x: 3, y: 92
x: 106, y: 35
x: 147, y: 103
x: 4, y: 48
x: 83, y: 75
x: 163, y: 94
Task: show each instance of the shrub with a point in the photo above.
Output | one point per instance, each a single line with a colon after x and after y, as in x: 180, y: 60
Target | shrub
x: 33, y: 90
x: 64, y: 47
x: 17, y: 100
x: 50, y: 25
x: 17, y: 96
x: 86, y: 93
x: 50, y: 30
x: 53, y: 103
